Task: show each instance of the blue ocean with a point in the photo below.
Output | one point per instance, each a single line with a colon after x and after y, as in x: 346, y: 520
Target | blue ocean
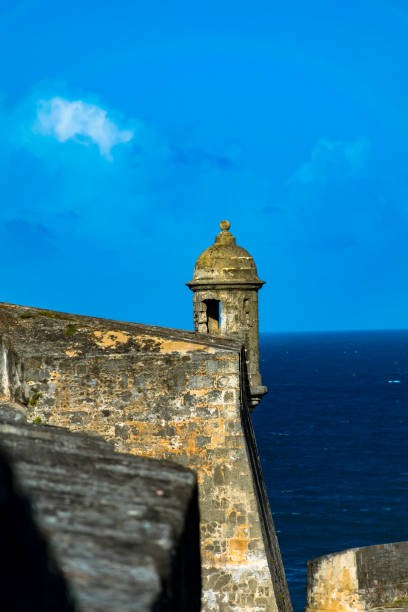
x: 332, y: 436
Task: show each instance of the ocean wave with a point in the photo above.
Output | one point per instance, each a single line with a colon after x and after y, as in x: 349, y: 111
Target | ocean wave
x: 278, y: 433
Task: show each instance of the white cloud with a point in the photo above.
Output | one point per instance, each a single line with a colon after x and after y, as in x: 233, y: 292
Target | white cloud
x: 66, y: 120
x: 333, y: 160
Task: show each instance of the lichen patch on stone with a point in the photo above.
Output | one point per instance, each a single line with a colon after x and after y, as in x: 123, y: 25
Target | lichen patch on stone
x: 170, y: 346
x: 110, y: 339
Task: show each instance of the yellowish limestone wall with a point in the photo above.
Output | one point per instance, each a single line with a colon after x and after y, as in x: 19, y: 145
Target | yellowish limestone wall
x: 163, y: 394
x: 334, y: 586
x: 366, y: 578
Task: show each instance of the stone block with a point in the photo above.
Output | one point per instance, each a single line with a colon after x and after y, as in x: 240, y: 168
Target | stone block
x: 229, y: 381
x: 200, y: 382
x: 228, y: 397
x: 202, y: 441
x: 214, y: 396
x: 221, y: 366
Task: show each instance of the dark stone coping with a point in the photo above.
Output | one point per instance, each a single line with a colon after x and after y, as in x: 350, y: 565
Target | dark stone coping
x: 229, y: 284
x: 121, y: 531
x: 374, y: 548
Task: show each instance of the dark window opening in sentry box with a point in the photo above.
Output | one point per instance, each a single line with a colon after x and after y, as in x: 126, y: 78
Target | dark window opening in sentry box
x: 213, y: 316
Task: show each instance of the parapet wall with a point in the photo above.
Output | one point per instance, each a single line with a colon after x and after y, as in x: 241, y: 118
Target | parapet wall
x: 99, y: 531
x: 359, y: 579
x: 164, y: 394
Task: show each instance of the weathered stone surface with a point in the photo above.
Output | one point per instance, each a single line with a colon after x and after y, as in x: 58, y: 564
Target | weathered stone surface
x: 124, y: 530
x: 131, y: 384
x: 364, y: 578
x: 10, y: 411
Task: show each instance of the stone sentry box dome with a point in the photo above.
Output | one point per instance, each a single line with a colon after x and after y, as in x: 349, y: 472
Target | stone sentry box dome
x: 225, y: 285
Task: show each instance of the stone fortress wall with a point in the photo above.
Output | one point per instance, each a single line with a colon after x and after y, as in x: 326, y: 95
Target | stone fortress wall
x: 165, y: 394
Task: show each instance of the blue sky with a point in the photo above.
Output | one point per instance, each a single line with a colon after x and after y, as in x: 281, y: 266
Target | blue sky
x: 130, y: 129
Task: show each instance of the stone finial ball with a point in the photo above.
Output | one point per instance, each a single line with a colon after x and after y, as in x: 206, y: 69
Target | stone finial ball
x: 225, y: 225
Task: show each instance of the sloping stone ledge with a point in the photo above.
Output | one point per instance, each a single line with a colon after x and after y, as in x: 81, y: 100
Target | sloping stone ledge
x: 91, y: 530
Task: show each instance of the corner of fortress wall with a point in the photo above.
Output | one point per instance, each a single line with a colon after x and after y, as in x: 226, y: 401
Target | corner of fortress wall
x: 167, y: 394
x: 359, y: 579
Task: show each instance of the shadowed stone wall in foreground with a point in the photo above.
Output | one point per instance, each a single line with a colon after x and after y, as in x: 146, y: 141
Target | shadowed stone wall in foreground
x: 102, y: 531
x: 167, y: 394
